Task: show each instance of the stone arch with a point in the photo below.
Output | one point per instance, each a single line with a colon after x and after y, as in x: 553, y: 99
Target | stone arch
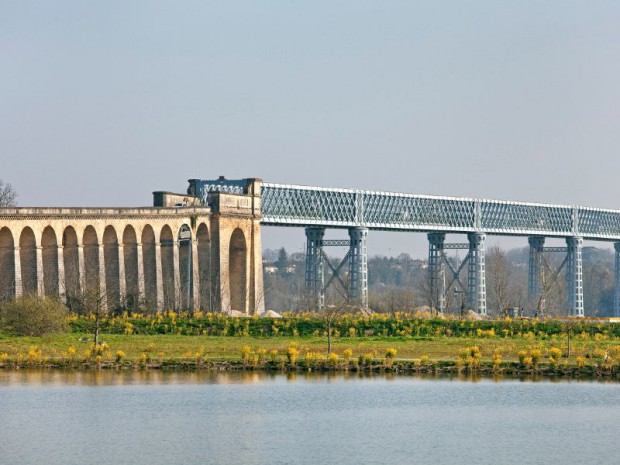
x: 185, y: 267
x: 111, y: 265
x: 49, y: 252
x: 7, y: 264
x: 71, y: 260
x: 132, y: 274
x: 91, y: 260
x: 204, y: 267
x: 237, y: 271
x: 167, y: 267
x: 149, y: 262
x: 28, y: 261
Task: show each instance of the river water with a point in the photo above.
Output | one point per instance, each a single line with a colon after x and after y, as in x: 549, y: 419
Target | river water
x: 66, y: 418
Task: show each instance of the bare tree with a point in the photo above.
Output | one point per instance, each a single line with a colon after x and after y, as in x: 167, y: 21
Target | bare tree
x: 393, y: 299
x: 95, y: 300
x: 551, y: 292
x: 8, y: 195
x: 431, y: 289
x: 499, y: 275
x: 334, y: 307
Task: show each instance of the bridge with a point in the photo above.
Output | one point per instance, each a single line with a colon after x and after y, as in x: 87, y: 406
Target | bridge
x: 202, y: 249
x: 318, y: 208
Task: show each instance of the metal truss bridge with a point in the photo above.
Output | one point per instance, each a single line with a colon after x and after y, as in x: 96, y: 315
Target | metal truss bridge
x: 288, y: 205
x: 318, y: 208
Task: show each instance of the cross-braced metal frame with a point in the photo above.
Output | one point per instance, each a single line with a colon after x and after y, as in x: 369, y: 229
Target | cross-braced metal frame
x: 439, y: 288
x: 353, y: 287
x: 574, y: 274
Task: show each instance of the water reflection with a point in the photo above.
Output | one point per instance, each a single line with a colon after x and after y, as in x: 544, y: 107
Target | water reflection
x: 97, y: 377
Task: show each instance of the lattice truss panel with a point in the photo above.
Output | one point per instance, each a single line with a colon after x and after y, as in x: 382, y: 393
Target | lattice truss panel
x: 384, y: 210
x: 507, y: 217
x: 599, y: 223
x: 283, y: 204
x: 307, y: 206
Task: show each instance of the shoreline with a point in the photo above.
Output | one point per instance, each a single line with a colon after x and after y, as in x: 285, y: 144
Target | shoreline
x: 397, y: 367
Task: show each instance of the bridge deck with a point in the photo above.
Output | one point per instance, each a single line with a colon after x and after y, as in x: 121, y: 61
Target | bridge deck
x: 291, y: 205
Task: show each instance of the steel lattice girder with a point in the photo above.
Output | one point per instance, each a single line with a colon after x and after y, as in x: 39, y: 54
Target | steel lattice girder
x: 289, y: 205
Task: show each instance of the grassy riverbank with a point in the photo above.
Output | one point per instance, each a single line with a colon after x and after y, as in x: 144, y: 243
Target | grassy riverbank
x: 516, y: 355
x: 404, y: 342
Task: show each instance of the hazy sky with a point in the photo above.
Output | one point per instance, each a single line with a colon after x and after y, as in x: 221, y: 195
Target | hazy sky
x: 102, y: 103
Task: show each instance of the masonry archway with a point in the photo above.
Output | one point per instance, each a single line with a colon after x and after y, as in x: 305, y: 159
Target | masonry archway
x: 28, y: 261
x: 49, y: 251
x: 185, y: 266
x: 237, y: 271
x: 167, y: 265
x: 7, y: 265
x: 71, y: 260
x: 91, y: 261
x: 207, y: 284
x: 130, y: 260
x: 149, y: 262
x: 110, y: 254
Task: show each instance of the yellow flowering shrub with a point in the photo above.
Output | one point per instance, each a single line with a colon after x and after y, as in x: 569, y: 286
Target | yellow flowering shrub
x: 291, y: 354
x: 120, y: 355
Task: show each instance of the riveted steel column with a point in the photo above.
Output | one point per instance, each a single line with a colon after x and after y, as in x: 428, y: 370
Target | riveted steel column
x: 574, y: 276
x: 617, y: 281
x: 534, y: 269
x: 314, y: 265
x: 476, y: 280
x: 358, y: 270
x: 436, y: 278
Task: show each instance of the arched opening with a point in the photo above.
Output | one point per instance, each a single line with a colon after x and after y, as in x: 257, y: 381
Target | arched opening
x: 7, y: 265
x: 91, y: 262
x: 130, y: 257
x: 149, y: 263
x: 207, y: 286
x: 185, y: 266
x: 49, y: 251
x: 71, y: 260
x: 28, y: 261
x: 167, y: 265
x: 237, y: 263
x: 110, y: 256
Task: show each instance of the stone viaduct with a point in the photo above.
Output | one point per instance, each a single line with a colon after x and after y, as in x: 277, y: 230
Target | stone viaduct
x: 178, y: 254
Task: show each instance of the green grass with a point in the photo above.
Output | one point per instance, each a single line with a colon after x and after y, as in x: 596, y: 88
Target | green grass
x: 222, y: 348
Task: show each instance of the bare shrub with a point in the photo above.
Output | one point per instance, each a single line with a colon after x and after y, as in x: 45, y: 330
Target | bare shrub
x: 33, y: 316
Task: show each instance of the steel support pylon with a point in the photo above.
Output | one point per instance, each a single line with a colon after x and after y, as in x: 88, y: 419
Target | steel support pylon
x: 534, y: 269
x: 574, y: 276
x: 617, y: 281
x: 436, y: 278
x: 314, y: 265
x: 358, y: 268
x: 476, y: 280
